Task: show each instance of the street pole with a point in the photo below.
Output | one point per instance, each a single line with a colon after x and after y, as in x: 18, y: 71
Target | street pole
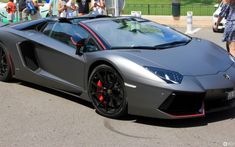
x: 116, y: 4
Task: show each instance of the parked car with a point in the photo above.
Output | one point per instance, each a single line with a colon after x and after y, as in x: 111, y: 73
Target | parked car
x: 44, y: 11
x: 121, y: 65
x: 215, y: 18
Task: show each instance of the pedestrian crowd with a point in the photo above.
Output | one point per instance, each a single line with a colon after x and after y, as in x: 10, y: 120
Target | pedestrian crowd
x: 60, y: 8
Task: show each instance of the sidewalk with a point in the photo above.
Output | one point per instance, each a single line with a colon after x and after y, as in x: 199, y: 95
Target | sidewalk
x: 198, y: 21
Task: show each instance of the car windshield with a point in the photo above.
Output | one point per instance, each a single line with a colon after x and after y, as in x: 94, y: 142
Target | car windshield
x: 137, y: 33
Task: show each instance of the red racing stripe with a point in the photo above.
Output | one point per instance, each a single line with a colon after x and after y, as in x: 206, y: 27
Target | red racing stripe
x: 94, y: 35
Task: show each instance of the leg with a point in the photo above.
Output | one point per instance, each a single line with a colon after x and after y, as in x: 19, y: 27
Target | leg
x: 232, y: 48
x: 227, y: 46
x: 20, y: 14
x: 24, y: 15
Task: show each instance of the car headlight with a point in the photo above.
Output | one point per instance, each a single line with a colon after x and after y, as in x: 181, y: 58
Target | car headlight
x: 168, y: 76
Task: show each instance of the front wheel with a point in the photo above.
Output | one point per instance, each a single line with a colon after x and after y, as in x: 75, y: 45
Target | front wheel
x: 5, y: 69
x: 107, y: 92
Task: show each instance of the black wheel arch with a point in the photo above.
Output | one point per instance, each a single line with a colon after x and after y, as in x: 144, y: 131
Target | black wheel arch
x: 98, y: 63
x: 2, y: 45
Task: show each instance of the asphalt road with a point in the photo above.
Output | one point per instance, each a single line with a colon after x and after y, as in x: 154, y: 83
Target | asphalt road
x: 32, y: 116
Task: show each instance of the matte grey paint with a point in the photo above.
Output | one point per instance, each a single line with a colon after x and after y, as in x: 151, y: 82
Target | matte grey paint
x: 202, y: 63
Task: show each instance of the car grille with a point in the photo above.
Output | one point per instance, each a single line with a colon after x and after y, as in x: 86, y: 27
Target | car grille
x: 183, y: 104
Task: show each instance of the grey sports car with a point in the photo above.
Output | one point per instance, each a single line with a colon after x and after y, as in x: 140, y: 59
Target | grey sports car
x: 122, y: 65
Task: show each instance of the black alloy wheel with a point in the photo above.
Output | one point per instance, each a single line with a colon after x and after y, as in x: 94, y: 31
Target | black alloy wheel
x: 107, y: 92
x: 5, y: 70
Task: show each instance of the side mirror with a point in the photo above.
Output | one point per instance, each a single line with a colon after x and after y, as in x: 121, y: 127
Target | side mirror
x: 79, y: 42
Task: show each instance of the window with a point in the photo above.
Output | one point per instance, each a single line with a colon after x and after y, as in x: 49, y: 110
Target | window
x: 91, y: 46
x: 131, y: 32
x: 64, y: 31
x: 47, y: 29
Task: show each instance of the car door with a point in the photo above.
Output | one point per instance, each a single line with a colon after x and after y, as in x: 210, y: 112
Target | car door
x: 58, y: 58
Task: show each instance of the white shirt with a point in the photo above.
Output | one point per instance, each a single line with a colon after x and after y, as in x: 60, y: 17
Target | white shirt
x: 97, y: 10
x: 55, y: 7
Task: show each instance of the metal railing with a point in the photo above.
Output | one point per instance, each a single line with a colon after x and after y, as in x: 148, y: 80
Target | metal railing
x: 166, y: 9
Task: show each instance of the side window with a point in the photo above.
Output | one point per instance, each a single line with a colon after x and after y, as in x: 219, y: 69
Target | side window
x: 61, y: 32
x: 64, y: 31
x: 47, y: 29
x: 91, y: 46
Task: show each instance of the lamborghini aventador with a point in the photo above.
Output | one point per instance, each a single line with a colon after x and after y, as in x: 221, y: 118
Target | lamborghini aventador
x: 121, y: 64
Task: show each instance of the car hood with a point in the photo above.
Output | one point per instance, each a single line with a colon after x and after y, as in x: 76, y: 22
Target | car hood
x: 199, y: 57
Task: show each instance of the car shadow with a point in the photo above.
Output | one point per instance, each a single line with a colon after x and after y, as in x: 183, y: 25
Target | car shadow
x: 178, y: 123
x: 56, y: 93
x: 185, y: 123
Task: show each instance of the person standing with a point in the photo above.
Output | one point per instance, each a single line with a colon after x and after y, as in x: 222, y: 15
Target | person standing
x: 83, y: 7
x: 98, y: 7
x: 22, y: 9
x: 71, y: 9
x: 62, y: 8
x: 39, y: 4
x: 54, y: 6
x: 37, y: 15
x: 10, y: 8
x: 228, y: 12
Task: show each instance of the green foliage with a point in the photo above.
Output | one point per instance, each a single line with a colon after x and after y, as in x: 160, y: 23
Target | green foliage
x: 183, y: 2
x: 186, y: 2
x: 164, y: 7
x: 4, y: 1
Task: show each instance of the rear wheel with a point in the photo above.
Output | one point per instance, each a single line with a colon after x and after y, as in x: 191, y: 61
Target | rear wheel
x: 107, y: 92
x: 5, y: 70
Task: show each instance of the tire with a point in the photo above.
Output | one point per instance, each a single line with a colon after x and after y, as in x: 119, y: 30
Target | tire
x: 5, y: 65
x: 214, y: 30
x: 107, y: 92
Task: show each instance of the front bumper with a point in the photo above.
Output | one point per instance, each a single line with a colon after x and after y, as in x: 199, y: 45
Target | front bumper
x: 194, y: 97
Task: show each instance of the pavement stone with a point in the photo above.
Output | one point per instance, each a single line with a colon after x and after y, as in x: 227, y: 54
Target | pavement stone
x: 198, y: 21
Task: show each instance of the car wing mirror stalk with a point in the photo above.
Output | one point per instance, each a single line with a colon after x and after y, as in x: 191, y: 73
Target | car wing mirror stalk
x: 79, y: 50
x: 79, y: 42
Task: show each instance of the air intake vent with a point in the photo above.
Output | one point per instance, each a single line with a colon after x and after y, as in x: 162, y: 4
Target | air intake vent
x: 183, y: 104
x: 28, y: 53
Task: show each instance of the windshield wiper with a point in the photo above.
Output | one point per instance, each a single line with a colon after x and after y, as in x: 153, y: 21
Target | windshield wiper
x: 172, y: 44
x: 134, y: 47
x: 161, y: 46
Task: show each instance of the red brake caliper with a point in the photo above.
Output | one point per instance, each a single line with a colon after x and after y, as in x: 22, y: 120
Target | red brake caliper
x: 99, y: 89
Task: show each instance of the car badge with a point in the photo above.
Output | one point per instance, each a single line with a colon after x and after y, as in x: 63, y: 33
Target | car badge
x: 227, y: 77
